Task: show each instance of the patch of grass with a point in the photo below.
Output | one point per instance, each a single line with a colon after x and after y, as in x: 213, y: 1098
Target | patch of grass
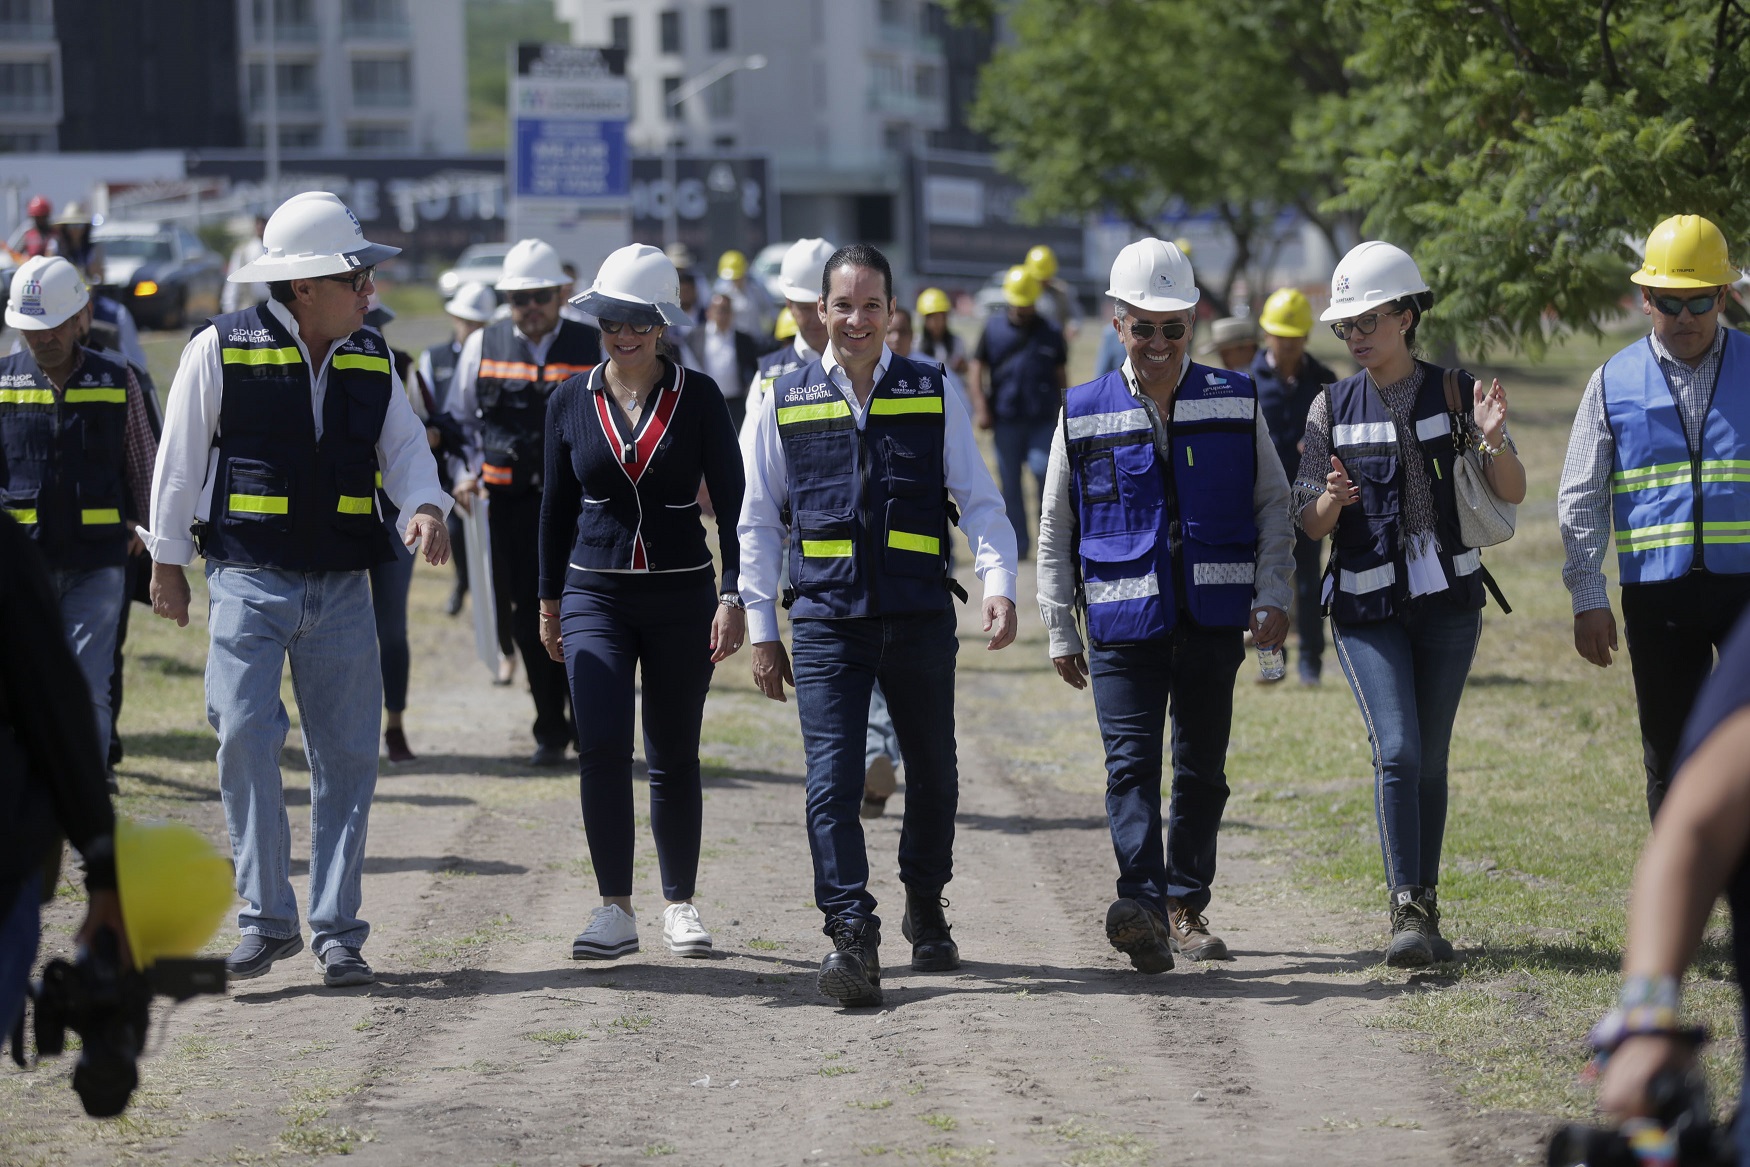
x: 941, y: 1122
x: 555, y: 1037
x: 1098, y: 1148
x: 632, y: 1022
x: 955, y: 1156
x: 835, y: 1071
x: 363, y: 1024
x: 654, y: 1150
x: 449, y: 951
x: 877, y: 1104
x: 759, y: 945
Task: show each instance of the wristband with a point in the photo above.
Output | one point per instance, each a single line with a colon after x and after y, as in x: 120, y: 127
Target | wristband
x: 1646, y: 1007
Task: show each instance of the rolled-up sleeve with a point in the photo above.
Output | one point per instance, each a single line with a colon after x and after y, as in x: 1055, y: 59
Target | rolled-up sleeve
x: 982, y: 517
x: 185, y: 450
x: 410, y: 476
x: 462, y: 403
x: 1056, y: 568
x: 1583, y: 500
x: 1273, y: 576
x: 761, y: 527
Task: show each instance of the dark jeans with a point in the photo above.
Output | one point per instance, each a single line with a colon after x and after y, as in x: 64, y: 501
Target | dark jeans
x: 139, y: 571
x: 1022, y: 444
x: 1672, y: 631
x: 1192, y: 671
x: 836, y: 664
x: 1309, y: 618
x: 1408, y: 673
x: 389, y: 586
x: 20, y: 933
x: 514, y: 522
x: 663, y: 630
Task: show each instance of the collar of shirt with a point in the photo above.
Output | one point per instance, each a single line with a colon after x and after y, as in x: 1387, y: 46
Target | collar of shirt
x: 539, y: 348
x: 1713, y: 350
x: 803, y: 350
x: 1155, y: 420
x: 318, y: 372
x: 835, y: 373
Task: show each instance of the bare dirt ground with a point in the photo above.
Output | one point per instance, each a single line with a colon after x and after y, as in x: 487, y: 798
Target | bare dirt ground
x: 484, y: 1043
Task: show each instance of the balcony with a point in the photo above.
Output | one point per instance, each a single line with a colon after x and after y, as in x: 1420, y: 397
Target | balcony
x: 375, y: 99
x: 286, y: 32
x: 288, y: 101
x: 384, y: 29
x: 27, y: 30
x: 927, y: 111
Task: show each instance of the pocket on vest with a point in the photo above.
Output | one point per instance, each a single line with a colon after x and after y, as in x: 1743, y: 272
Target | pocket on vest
x: 1377, y: 480
x: 826, y: 542
x: 355, y: 511
x: 909, y: 474
x: 259, y: 496
x: 1122, y: 587
x: 1099, y: 477
x: 364, y: 412
x: 911, y: 545
x: 21, y: 505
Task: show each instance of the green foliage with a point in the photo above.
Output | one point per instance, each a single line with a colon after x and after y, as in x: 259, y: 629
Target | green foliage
x: 494, y: 28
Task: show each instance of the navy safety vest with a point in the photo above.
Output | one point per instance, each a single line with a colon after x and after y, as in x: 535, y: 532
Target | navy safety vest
x: 64, y: 462
x: 511, y: 391
x: 1154, y: 541
x: 868, y: 508
x: 1675, y: 510
x: 774, y: 365
x: 1368, y: 554
x: 281, y: 498
x: 443, y: 359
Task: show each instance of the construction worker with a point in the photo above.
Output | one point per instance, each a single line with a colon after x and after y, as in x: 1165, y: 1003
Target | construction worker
x: 725, y: 352
x: 1288, y: 377
x: 86, y: 254
x: 1166, y: 525
x: 1233, y: 342
x: 871, y: 601
x: 934, y: 338
x: 77, y: 466
x: 753, y: 305
x: 1660, y: 450
x: 1057, y: 299
x: 235, y: 297
x: 1016, y: 384
x: 800, y: 274
x: 469, y: 310
x: 278, y: 423
x: 504, y: 375
x: 40, y: 238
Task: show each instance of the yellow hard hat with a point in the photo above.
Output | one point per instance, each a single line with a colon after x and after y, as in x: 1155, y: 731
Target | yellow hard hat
x: 932, y: 301
x: 1020, y: 288
x: 1184, y: 246
x: 175, y: 888
x: 1041, y: 263
x: 1286, y: 313
x: 785, y: 328
x: 1686, y: 251
x: 731, y: 265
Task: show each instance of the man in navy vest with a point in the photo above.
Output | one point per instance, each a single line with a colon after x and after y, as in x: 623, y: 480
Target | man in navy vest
x: 1166, y: 525
x: 76, y: 452
x: 1661, y: 451
x: 855, y: 456
x: 280, y: 420
x: 800, y: 275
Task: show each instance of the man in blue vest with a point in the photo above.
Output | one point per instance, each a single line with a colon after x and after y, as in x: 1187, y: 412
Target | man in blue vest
x: 280, y: 421
x: 76, y: 452
x: 856, y: 456
x: 1661, y: 451
x: 1166, y: 525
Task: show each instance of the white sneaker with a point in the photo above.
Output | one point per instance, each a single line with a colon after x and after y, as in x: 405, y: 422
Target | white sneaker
x: 612, y: 932
x: 683, y: 933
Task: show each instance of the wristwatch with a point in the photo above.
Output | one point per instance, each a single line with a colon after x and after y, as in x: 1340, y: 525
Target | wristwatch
x: 730, y: 599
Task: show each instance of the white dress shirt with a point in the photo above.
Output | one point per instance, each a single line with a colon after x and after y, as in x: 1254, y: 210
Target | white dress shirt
x: 719, y: 358
x: 182, y: 483
x: 464, y: 406
x: 762, y: 529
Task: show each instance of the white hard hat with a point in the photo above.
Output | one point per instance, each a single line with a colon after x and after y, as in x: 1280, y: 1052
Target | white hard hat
x: 472, y: 301
x: 46, y: 292
x: 1154, y: 275
x: 637, y: 284
x: 531, y: 264
x: 804, y: 269
x: 311, y: 234
x: 1373, y: 273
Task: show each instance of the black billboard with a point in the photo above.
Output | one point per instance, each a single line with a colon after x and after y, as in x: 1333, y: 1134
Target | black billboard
x: 966, y: 219
x: 720, y: 203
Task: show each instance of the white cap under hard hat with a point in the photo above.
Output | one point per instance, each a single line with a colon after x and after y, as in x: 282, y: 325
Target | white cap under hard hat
x: 311, y: 234
x: 472, y: 301
x: 1372, y: 274
x: 637, y: 284
x: 529, y: 265
x: 47, y: 291
x: 1154, y: 275
x: 804, y: 269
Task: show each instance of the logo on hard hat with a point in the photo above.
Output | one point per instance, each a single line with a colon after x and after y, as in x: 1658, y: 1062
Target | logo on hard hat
x: 354, y: 218
x: 1342, y: 288
x: 1163, y: 281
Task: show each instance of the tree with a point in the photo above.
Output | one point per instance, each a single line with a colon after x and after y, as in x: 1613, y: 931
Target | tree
x: 494, y: 28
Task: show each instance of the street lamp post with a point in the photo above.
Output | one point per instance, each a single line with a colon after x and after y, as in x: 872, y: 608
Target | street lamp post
x: 692, y: 88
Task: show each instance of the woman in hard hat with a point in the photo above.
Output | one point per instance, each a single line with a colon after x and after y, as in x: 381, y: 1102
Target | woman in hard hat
x: 1406, y: 604
x: 74, y: 225
x: 753, y: 304
x: 935, y: 339
x: 627, y: 586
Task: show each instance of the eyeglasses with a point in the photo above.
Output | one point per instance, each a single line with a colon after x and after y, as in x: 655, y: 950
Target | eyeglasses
x: 1146, y: 332
x: 1361, y: 324
x: 1697, y: 305
x: 542, y: 296
x: 358, y: 279
x: 612, y: 327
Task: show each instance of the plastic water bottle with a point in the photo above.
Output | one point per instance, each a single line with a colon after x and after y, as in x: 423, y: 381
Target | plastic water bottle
x: 1272, y: 662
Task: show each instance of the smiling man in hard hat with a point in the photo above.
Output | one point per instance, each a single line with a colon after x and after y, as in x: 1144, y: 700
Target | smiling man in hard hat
x: 800, y: 275
x: 1661, y: 451
x: 281, y: 419
x: 1166, y: 524
x: 504, y: 375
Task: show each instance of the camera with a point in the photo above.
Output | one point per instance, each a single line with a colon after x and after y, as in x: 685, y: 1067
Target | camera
x: 1683, y: 1132
x: 109, y: 1007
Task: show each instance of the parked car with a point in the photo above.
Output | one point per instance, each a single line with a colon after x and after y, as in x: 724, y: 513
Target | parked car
x: 161, y: 272
x: 483, y: 263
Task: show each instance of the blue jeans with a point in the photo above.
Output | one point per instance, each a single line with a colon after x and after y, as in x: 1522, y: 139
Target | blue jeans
x: 1022, y: 444
x: 91, y: 611
x: 1408, y: 674
x: 836, y: 664
x: 20, y: 933
x: 389, y: 586
x: 1193, y: 671
x: 321, y: 621
x: 879, y: 739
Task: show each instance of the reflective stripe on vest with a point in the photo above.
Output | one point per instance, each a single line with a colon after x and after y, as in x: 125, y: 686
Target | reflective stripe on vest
x: 1099, y: 425
x: 1224, y: 573
x: 819, y: 411
x: 260, y: 504
x: 1364, y: 433
x: 100, y: 516
x: 1679, y: 535
x: 352, y: 504
x: 360, y: 361
x: 1112, y: 591
x: 23, y: 515
x: 27, y: 396
x: 1359, y: 583
x: 827, y: 548
x: 1214, y: 409
x: 260, y: 356
x: 907, y: 541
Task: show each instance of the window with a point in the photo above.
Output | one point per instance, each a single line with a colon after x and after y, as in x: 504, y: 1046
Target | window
x: 670, y: 23
x: 724, y: 142
x: 717, y: 28
x: 670, y: 109
x: 378, y: 138
x: 927, y: 81
x: 295, y: 84
x: 292, y: 19
x: 889, y: 77
x: 720, y: 98
x: 291, y: 137
x: 620, y: 32
x: 375, y: 17
x: 27, y: 19
x: 26, y: 87
x: 28, y: 142
x: 896, y: 137
x: 382, y: 82
x: 890, y: 12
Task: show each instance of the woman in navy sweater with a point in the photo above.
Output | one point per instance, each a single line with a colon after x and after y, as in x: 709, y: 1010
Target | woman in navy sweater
x: 627, y: 582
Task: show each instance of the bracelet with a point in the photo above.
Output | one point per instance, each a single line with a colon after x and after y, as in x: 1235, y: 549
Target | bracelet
x: 731, y: 600
x: 1646, y: 1007
x: 546, y: 615
x: 1492, y: 451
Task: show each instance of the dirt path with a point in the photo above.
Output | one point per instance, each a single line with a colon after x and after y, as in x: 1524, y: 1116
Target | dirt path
x: 484, y: 1043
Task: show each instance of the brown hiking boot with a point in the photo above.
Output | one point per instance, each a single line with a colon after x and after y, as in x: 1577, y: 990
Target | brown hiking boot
x: 1191, y: 937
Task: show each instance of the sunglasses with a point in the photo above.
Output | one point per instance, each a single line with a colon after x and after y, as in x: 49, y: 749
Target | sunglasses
x: 1697, y: 305
x: 542, y: 296
x: 357, y: 279
x: 1146, y: 332
x: 612, y: 327
x: 1364, y: 325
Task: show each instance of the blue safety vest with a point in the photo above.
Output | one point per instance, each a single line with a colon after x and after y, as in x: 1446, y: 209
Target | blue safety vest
x: 1676, y: 510
x: 774, y: 365
x: 1154, y: 541
x: 281, y: 498
x: 868, y: 508
x: 1368, y: 561
x: 64, y: 460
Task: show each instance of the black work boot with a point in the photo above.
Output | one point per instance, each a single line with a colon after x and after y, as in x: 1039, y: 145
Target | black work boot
x: 932, y: 948
x: 1410, y: 946
x: 851, y: 973
x: 1439, y: 945
x: 1140, y: 932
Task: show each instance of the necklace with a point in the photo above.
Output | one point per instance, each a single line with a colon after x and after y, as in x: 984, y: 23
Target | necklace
x: 630, y: 401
